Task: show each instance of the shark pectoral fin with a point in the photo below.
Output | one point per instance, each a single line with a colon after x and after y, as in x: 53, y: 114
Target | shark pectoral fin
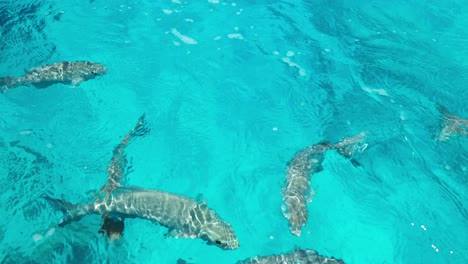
x: 200, y: 199
x: 318, y: 168
x: 176, y: 233
x: 180, y: 233
x: 77, y: 81
x: 310, y: 196
x: 355, y: 162
x: 43, y: 84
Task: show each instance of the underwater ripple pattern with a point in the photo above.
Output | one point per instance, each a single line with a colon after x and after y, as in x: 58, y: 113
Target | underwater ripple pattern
x: 262, y: 80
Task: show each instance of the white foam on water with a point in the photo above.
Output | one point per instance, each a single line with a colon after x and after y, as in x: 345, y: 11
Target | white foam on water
x: 186, y: 39
x: 189, y: 20
x: 402, y: 116
x: 217, y: 38
x: 167, y: 11
x: 301, y: 71
x: 37, y: 237
x: 25, y: 132
x: 50, y: 232
x: 289, y: 53
x: 235, y: 36
x: 381, y: 92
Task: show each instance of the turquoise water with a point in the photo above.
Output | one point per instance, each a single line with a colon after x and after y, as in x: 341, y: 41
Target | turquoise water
x: 229, y: 104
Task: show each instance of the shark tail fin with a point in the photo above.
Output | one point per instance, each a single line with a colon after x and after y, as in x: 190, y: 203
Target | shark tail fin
x: 117, y: 167
x: 443, y: 110
x: 8, y: 82
x: 71, y: 212
x: 351, y: 146
x: 140, y: 128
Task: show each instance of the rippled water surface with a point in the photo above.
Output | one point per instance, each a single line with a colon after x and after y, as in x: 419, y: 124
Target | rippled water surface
x: 231, y: 90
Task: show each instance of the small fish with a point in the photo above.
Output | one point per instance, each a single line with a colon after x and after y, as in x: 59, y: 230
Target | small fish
x: 299, y: 171
x: 297, y: 256
x: 71, y: 73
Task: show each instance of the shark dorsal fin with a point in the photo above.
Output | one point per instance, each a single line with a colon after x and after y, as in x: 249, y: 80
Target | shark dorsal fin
x: 200, y: 199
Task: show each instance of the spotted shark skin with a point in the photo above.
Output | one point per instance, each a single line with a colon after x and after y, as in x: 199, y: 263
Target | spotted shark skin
x: 113, y: 227
x: 71, y: 73
x: 297, y: 256
x: 118, y: 162
x: 300, y: 169
x: 183, y: 216
x: 451, y: 125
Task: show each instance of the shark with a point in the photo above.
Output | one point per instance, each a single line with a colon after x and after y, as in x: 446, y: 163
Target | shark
x: 300, y: 169
x: 296, y: 256
x: 70, y: 73
x: 451, y: 125
x: 183, y: 216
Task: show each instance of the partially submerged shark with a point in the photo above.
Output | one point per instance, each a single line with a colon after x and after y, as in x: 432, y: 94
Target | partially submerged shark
x: 72, y: 73
x: 183, y: 216
x: 299, y: 171
x: 297, y: 256
x: 451, y: 125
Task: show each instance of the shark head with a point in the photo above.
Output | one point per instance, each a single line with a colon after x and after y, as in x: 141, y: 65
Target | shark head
x: 90, y: 70
x: 217, y: 232
x: 220, y: 234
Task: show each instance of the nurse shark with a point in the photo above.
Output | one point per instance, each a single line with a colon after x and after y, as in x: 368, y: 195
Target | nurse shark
x: 297, y: 256
x: 299, y: 172
x: 72, y: 73
x: 451, y: 125
x: 183, y: 216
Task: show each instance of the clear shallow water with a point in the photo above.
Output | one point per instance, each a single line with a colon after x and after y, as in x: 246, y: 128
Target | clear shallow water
x: 229, y: 105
